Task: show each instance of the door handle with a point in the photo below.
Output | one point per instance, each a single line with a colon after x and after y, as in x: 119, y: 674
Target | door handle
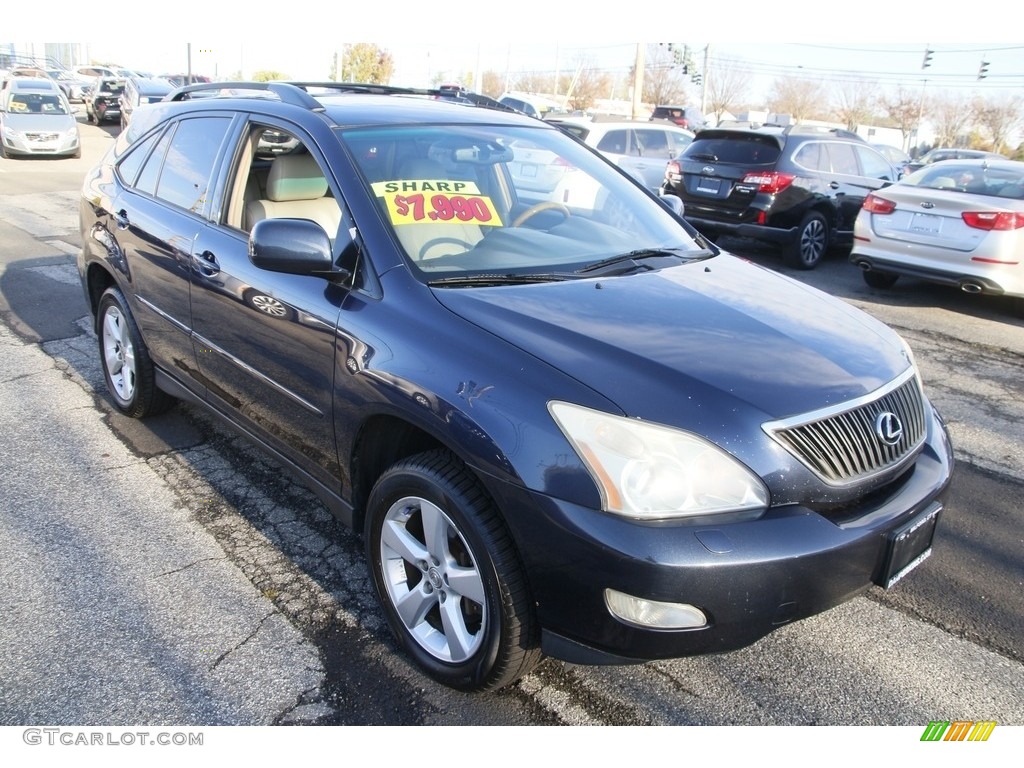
x: 206, y: 263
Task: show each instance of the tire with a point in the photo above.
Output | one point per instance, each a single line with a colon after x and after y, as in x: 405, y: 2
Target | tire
x: 811, y: 242
x: 458, y: 602
x: 879, y: 279
x: 127, y: 368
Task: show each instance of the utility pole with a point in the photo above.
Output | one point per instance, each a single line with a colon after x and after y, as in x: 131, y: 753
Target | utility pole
x: 638, y: 81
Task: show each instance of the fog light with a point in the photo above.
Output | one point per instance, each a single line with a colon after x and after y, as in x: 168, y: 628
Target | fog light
x: 653, y: 613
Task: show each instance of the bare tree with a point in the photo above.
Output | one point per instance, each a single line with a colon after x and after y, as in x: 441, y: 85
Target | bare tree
x: 535, y: 82
x: 492, y: 84
x: 664, y: 76
x: 799, y: 98
x: 853, y: 102
x: 726, y: 89
x: 1000, y: 119
x: 951, y: 115
x: 905, y: 109
x: 585, y: 86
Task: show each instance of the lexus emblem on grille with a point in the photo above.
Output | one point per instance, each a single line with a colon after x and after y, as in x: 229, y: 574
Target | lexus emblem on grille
x: 888, y: 427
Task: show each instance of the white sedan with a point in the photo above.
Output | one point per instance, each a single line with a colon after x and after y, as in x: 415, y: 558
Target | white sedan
x: 957, y: 222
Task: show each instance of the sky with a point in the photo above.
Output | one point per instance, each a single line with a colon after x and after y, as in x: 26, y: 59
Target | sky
x: 455, y: 38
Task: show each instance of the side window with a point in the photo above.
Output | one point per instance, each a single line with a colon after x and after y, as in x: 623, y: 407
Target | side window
x: 874, y: 165
x: 277, y: 177
x: 653, y: 143
x: 678, y: 142
x: 614, y: 142
x: 189, y: 165
x: 844, y: 160
x: 150, y: 175
x: 811, y: 157
x: 129, y: 166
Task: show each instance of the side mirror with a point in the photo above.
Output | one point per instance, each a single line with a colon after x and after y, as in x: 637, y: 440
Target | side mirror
x: 673, y: 203
x: 293, y: 246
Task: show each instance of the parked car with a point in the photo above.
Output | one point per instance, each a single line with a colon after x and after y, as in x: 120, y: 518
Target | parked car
x: 797, y: 187
x: 179, y: 80
x: 75, y: 88
x: 639, y: 147
x: 528, y: 104
x: 951, y: 153
x: 36, y: 119
x: 139, y: 91
x: 900, y: 159
x: 685, y: 117
x: 956, y: 222
x: 576, y: 432
x: 104, y: 101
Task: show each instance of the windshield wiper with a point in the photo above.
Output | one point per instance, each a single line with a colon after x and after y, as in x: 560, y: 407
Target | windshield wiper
x: 644, y: 259
x: 710, y: 156
x: 510, y: 279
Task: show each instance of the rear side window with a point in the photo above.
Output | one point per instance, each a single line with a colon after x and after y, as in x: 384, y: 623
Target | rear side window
x: 182, y: 174
x: 615, y: 142
x: 733, y: 150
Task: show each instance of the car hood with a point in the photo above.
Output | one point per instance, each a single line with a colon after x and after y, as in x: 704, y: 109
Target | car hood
x: 37, y: 123
x: 695, y: 345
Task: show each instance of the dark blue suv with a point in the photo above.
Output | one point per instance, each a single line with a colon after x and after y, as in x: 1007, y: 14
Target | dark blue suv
x: 573, y: 428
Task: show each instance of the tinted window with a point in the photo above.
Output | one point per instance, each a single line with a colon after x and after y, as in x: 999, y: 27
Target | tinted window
x: 187, y: 171
x: 653, y: 143
x: 844, y: 160
x: 132, y: 162
x: 737, y: 150
x: 810, y: 156
x: 614, y: 142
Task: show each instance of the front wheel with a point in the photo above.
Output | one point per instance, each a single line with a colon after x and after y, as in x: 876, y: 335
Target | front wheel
x: 127, y: 368
x: 811, y: 242
x: 447, y: 575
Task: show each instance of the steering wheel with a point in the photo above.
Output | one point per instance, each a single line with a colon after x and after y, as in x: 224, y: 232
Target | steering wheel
x: 438, y: 241
x: 533, y: 210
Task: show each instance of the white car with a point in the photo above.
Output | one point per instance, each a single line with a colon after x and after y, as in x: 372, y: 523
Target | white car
x: 37, y: 119
x: 955, y: 222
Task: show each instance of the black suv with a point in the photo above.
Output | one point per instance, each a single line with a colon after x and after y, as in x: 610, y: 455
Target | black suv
x: 565, y: 429
x: 799, y: 187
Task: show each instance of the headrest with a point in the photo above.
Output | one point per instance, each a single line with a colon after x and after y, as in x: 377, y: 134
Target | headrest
x: 295, y: 177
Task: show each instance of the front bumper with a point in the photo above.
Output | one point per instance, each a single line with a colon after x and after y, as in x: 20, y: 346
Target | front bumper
x: 748, y: 577
x: 26, y: 146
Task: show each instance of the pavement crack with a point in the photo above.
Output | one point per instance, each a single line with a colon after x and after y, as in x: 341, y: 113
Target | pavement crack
x: 186, y: 567
x: 242, y: 642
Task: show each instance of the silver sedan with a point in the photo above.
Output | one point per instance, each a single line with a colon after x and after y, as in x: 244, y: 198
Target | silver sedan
x: 957, y: 222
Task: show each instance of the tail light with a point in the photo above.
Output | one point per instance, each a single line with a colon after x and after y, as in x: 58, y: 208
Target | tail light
x: 875, y: 204
x: 673, y: 170
x: 771, y: 182
x: 993, y: 220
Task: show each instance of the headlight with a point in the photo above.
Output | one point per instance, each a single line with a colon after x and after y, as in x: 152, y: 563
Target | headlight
x: 652, y: 472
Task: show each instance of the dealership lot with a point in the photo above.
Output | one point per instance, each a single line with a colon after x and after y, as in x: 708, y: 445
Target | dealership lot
x: 305, y: 569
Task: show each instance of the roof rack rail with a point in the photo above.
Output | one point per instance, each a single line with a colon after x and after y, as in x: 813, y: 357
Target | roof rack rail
x: 299, y: 92
x: 810, y: 128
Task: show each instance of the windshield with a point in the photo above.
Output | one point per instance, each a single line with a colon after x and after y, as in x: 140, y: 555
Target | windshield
x: 36, y: 103
x: 509, y: 201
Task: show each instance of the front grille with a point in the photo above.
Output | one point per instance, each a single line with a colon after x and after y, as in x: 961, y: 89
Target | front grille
x: 41, y: 136
x: 844, y: 444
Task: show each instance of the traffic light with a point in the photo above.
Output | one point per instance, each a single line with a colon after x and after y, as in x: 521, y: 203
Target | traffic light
x: 983, y: 70
x: 927, y: 58
x: 696, y: 78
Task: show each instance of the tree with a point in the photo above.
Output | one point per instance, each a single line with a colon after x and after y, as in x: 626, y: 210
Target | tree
x: 1000, y: 119
x: 365, y: 63
x: 664, y: 78
x: 904, y: 108
x: 853, y: 102
x: 492, y: 84
x: 266, y: 75
x: 801, y: 99
x: 951, y: 115
x: 586, y: 85
x: 725, y: 89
